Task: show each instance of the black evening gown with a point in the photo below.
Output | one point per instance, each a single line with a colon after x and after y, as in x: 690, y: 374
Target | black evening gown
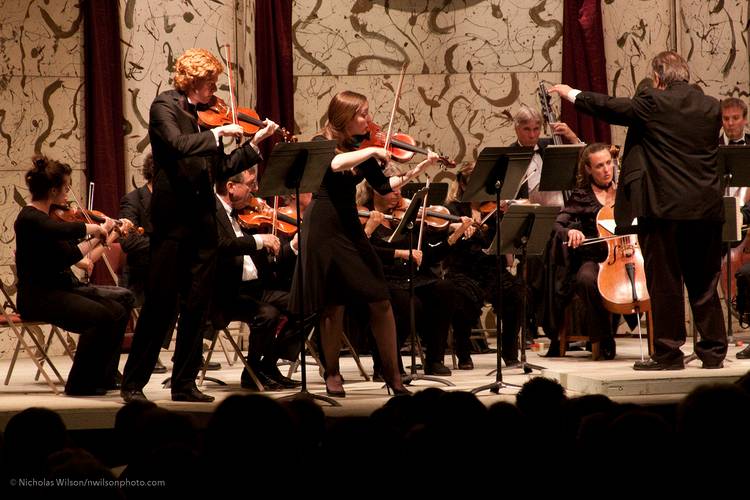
x: 339, y: 264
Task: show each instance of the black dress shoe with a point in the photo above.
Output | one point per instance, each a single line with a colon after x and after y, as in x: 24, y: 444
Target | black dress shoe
x: 192, y: 395
x: 129, y: 395
x: 436, y: 368
x: 212, y: 365
x: 744, y: 353
x: 651, y: 365
x: 608, y: 348
x: 554, y: 350
x: 159, y: 367
x: 713, y: 366
x: 274, y: 374
x: 267, y: 382
x: 465, y: 363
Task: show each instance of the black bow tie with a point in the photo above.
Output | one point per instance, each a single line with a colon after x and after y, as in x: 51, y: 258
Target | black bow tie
x: 740, y: 142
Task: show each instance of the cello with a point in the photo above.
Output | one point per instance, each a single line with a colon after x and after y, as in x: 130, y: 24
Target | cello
x: 622, y: 279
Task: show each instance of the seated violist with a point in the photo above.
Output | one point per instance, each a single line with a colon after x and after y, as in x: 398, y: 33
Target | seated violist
x: 573, y: 267
x: 434, y: 296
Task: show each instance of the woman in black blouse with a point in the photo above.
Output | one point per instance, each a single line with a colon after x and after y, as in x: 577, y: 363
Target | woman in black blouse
x: 576, y: 222
x: 339, y: 263
x: 48, y: 291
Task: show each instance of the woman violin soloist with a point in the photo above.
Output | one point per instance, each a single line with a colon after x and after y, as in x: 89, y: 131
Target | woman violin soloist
x: 339, y: 264
x: 48, y: 291
x: 577, y: 266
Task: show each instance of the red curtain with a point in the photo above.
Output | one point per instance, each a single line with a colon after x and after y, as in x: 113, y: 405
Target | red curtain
x: 584, y: 64
x: 273, y: 49
x: 105, y: 157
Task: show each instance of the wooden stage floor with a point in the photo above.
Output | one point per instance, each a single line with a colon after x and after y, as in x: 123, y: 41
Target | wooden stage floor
x: 576, y: 372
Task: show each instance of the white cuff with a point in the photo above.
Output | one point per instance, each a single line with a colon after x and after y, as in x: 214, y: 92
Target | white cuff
x: 572, y: 95
x: 216, y: 136
x: 258, y: 241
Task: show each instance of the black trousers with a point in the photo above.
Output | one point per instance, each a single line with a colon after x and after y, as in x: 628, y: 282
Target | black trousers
x: 262, y: 311
x: 689, y: 252
x: 433, y: 309
x: 181, y: 275
x: 99, y: 314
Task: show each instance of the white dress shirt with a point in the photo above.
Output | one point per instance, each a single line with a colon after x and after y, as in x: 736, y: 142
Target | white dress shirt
x: 249, y: 271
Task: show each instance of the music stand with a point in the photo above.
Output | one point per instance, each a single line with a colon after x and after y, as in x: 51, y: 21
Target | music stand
x: 435, y: 196
x: 497, y: 176
x: 526, y: 230
x: 559, y: 165
x: 406, y: 229
x: 292, y: 168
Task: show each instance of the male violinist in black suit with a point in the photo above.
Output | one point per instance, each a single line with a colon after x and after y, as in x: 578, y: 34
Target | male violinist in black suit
x: 187, y: 158
x: 241, y: 293
x: 672, y: 156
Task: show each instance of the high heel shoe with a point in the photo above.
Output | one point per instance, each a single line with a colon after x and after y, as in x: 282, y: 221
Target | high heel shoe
x: 333, y: 392
x: 396, y: 391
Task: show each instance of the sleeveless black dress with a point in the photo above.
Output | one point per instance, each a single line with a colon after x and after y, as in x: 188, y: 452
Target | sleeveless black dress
x: 339, y: 264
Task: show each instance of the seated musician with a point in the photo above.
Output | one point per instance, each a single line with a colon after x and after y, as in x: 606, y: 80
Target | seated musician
x: 240, y: 294
x: 528, y: 127
x: 743, y: 286
x: 47, y: 289
x: 473, y: 274
x: 574, y: 267
x: 434, y: 297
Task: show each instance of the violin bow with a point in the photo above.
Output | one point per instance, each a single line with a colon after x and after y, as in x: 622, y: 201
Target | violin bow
x: 424, y: 214
x: 395, y: 105
x: 104, y: 243
x: 232, y: 103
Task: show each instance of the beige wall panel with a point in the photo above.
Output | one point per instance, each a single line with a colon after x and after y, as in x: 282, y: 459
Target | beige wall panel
x: 338, y: 38
x: 713, y: 39
x: 39, y: 38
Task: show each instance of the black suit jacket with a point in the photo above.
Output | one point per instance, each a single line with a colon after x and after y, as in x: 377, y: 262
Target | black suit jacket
x: 186, y: 159
x: 670, y: 151
x: 231, y: 251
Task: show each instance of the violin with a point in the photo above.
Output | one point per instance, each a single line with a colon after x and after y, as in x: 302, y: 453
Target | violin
x: 622, y: 279
x: 258, y: 215
x: 216, y: 113
x: 72, y: 213
x: 401, y: 146
x: 438, y: 216
x: 364, y: 213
